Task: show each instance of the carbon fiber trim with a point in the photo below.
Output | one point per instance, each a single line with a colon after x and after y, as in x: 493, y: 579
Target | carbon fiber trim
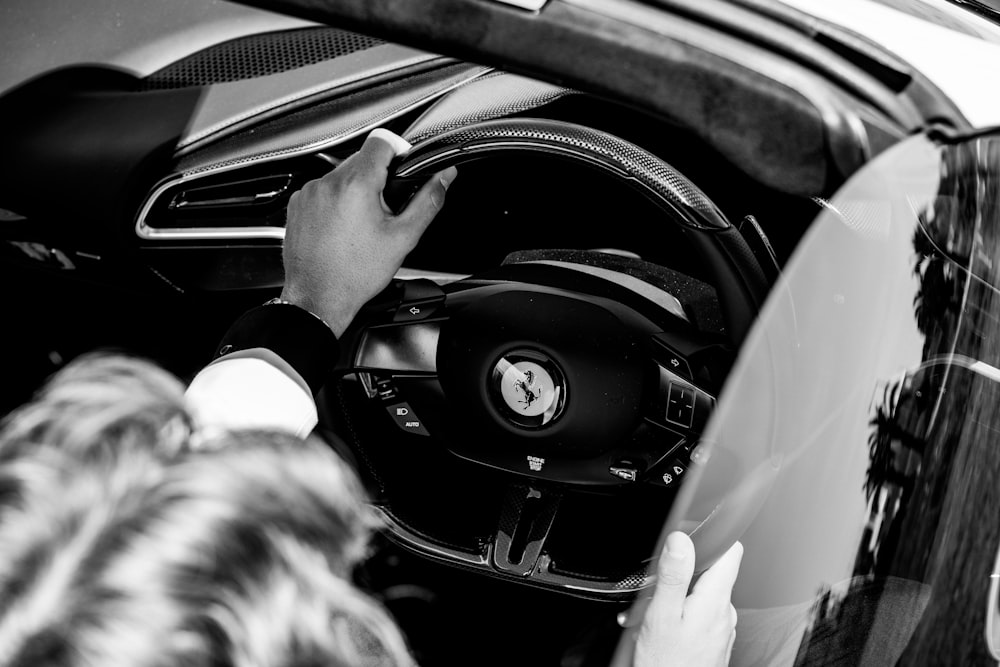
x: 634, y: 581
x: 258, y: 55
x: 729, y: 265
x: 611, y: 586
x: 623, y: 581
x: 537, y: 569
x: 540, y: 574
x: 496, y: 95
x: 517, y: 516
x: 667, y: 185
x: 435, y: 547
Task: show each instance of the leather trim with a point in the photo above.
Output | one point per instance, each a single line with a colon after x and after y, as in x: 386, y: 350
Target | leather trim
x: 224, y: 107
x: 495, y: 95
x: 139, y: 36
x: 345, y: 117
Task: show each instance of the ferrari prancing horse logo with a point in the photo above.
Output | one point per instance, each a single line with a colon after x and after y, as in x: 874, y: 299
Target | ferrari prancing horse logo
x: 527, y: 388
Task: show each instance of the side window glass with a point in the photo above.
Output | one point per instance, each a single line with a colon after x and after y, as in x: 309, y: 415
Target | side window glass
x: 855, y: 451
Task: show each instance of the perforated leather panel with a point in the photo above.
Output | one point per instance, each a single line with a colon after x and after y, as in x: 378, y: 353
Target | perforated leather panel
x: 321, y: 125
x: 258, y: 55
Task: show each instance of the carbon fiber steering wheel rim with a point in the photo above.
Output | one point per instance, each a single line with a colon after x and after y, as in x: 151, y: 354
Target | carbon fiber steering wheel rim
x: 730, y: 265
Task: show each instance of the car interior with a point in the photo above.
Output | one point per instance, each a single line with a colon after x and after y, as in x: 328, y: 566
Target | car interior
x: 607, y: 255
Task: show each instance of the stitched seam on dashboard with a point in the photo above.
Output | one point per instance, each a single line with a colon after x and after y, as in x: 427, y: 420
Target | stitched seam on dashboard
x: 465, y: 119
x: 166, y: 280
x: 341, y: 134
x: 431, y: 108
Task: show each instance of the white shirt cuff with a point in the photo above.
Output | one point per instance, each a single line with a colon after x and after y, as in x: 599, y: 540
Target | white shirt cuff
x: 252, y: 389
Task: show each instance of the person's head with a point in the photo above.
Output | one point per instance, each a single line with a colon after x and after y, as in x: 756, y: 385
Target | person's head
x: 128, y: 538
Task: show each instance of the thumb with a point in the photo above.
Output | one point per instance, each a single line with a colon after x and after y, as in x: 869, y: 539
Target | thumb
x: 673, y: 577
x: 427, y: 202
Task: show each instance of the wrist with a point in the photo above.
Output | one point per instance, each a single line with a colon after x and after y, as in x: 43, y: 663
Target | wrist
x: 301, y: 339
x: 281, y: 301
x: 337, y: 320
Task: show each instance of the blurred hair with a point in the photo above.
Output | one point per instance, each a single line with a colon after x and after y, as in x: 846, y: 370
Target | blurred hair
x: 122, y: 544
x: 98, y: 408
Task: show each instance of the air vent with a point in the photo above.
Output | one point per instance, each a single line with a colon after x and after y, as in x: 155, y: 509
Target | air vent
x: 250, y: 192
x: 225, y: 206
x: 246, y: 204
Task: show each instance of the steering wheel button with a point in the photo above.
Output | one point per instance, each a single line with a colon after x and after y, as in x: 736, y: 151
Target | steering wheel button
x: 419, y: 310
x: 680, y: 404
x: 678, y: 364
x: 625, y: 470
x: 671, y: 360
x: 385, y: 389
x: 628, y: 474
x: 670, y: 473
x: 404, y: 417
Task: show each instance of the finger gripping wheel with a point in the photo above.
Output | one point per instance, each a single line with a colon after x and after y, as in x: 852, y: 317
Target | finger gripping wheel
x: 729, y: 262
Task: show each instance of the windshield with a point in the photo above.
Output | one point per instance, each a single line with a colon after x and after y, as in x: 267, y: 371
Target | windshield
x: 854, y: 451
x: 881, y: 20
x: 987, y: 8
x: 937, y: 12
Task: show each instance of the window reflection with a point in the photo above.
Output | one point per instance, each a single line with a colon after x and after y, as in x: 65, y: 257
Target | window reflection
x: 918, y: 594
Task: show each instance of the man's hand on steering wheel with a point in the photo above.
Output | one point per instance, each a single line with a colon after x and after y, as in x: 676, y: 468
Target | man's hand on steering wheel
x: 343, y: 244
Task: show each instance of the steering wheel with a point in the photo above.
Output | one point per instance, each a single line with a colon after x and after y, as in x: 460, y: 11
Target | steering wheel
x: 561, y: 373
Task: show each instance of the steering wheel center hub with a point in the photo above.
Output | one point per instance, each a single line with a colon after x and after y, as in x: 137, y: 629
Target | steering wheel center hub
x: 528, y: 379
x: 528, y: 388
